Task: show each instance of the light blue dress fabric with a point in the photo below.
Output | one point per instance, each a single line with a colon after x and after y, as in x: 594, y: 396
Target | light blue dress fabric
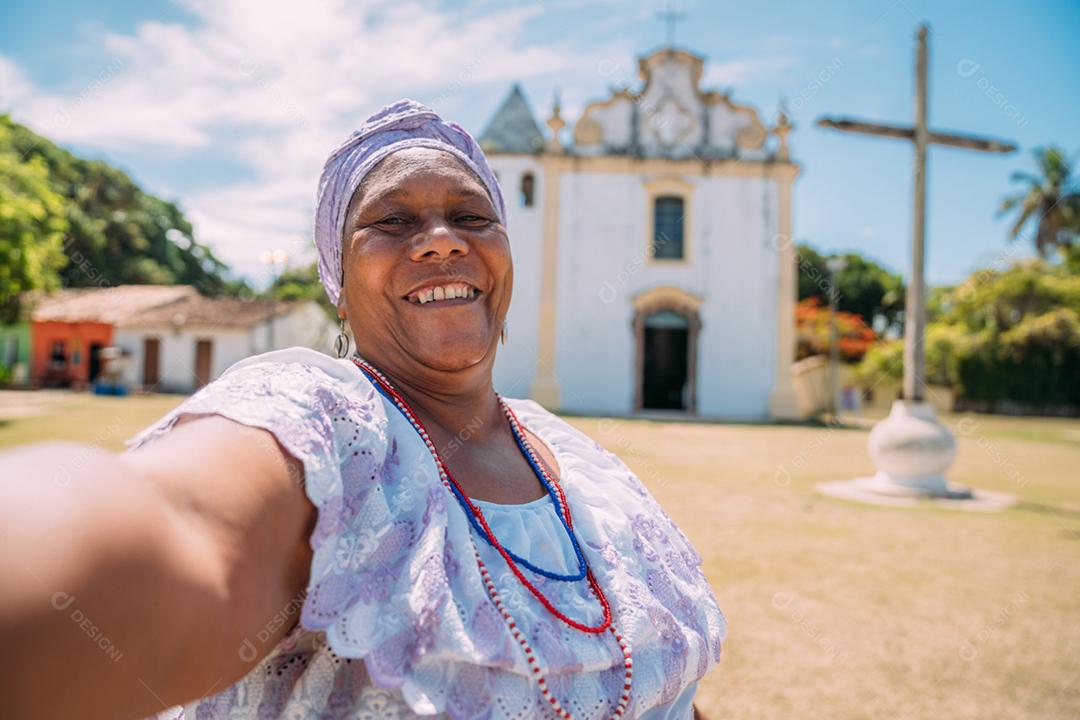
x: 396, y: 621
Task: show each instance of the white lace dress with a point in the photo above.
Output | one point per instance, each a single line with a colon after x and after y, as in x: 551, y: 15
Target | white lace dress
x: 396, y: 622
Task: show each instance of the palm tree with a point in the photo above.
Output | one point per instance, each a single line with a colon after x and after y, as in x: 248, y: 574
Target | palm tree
x: 1051, y: 199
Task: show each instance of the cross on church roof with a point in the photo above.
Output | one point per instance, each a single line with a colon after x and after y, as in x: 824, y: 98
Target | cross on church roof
x: 670, y: 16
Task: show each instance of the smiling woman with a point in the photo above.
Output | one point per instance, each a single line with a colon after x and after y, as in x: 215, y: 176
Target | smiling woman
x: 377, y: 535
x: 427, y: 267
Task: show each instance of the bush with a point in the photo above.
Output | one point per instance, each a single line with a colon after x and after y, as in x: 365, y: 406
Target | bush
x: 884, y: 361
x: 1004, y: 340
x: 1035, y: 365
x: 945, y: 345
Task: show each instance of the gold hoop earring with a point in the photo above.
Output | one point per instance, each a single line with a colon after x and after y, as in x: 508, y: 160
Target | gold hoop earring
x: 502, y: 335
x: 341, y: 344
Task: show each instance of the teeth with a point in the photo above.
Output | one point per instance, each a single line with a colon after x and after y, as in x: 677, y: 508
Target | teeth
x: 445, y: 292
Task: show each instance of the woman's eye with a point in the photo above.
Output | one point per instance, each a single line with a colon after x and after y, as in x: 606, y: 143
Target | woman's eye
x: 472, y: 219
x: 391, y: 221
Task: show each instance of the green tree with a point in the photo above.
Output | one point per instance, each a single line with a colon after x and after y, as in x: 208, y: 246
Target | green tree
x: 997, y: 300
x: 1071, y: 259
x: 1050, y: 202
x: 32, y: 227
x: 865, y: 287
x: 302, y: 283
x: 116, y: 233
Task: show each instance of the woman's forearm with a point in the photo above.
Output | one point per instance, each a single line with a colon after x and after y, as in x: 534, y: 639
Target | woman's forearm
x: 109, y: 606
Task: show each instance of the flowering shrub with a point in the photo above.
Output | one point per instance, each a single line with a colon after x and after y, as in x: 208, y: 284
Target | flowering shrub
x: 812, y: 331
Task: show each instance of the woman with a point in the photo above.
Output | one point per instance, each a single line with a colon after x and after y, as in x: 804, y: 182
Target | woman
x: 300, y: 514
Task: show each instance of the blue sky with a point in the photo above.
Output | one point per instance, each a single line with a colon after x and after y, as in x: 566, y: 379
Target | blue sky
x: 230, y: 107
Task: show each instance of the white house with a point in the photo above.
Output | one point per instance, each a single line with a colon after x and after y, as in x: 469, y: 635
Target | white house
x: 182, y: 345
x: 161, y: 337
x: 654, y: 267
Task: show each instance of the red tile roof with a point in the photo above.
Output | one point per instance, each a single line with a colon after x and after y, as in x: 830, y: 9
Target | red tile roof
x: 109, y: 305
x: 154, y: 306
x: 205, y: 312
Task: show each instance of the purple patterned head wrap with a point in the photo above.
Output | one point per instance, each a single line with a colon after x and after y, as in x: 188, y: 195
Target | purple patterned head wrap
x: 403, y: 124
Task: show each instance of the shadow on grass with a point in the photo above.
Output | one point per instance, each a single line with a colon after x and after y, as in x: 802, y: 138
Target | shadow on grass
x: 674, y: 417
x: 1041, y: 509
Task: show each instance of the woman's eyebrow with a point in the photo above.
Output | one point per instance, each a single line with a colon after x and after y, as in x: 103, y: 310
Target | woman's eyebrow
x: 398, y: 194
x: 471, y: 195
x: 383, y: 198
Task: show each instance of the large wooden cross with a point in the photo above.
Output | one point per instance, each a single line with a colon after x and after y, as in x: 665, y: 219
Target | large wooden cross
x: 921, y: 136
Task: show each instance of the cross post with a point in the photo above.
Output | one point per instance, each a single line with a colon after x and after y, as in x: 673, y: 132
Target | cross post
x: 921, y: 138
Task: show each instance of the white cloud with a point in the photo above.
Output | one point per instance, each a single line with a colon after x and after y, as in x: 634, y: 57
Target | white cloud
x: 747, y: 70
x: 289, y: 80
x: 13, y: 85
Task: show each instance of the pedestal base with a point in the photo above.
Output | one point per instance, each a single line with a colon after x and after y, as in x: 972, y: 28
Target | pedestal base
x: 912, y: 451
x: 869, y: 492
x: 886, y: 485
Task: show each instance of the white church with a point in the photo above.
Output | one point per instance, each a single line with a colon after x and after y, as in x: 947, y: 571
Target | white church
x: 653, y: 263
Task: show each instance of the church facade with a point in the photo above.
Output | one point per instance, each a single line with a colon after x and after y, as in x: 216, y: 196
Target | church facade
x: 654, y: 267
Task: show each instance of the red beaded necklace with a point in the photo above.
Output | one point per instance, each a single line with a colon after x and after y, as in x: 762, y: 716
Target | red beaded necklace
x: 452, y: 485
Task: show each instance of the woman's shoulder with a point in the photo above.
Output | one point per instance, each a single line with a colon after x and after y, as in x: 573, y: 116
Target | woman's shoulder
x: 308, y: 377
x: 301, y: 360
x: 296, y: 393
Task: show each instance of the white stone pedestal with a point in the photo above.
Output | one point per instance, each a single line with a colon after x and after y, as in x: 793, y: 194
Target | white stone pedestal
x: 911, y: 451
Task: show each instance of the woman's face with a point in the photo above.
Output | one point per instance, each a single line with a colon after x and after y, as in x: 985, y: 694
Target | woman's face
x: 419, y: 227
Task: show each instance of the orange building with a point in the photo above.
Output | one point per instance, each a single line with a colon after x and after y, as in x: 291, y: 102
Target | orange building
x: 66, y: 353
x: 69, y: 329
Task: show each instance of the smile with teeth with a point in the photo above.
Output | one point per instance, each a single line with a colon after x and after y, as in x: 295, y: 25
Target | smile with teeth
x: 441, y: 293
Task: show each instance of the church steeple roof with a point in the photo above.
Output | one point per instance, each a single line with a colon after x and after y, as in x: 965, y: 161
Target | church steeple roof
x: 513, y: 129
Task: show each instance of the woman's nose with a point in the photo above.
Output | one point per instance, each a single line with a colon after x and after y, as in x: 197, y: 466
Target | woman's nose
x: 437, y: 238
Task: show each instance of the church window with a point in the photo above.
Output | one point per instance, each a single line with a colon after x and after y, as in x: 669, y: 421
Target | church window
x: 668, y: 216
x: 528, y: 189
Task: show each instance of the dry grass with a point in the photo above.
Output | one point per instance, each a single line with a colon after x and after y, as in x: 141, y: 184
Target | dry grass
x: 839, y: 610
x: 836, y: 610
x: 27, y: 417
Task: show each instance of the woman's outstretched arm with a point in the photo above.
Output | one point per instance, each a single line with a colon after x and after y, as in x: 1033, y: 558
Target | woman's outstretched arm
x: 131, y: 582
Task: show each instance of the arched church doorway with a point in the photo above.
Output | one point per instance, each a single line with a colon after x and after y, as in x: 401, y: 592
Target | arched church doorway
x: 666, y: 326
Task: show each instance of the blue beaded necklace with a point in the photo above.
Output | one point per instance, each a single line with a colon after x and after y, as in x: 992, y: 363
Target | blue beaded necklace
x: 471, y: 511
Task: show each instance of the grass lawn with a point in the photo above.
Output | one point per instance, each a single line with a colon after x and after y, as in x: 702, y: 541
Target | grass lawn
x: 836, y: 610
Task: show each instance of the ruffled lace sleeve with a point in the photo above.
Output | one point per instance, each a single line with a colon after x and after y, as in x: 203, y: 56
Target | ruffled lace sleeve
x: 325, y: 422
